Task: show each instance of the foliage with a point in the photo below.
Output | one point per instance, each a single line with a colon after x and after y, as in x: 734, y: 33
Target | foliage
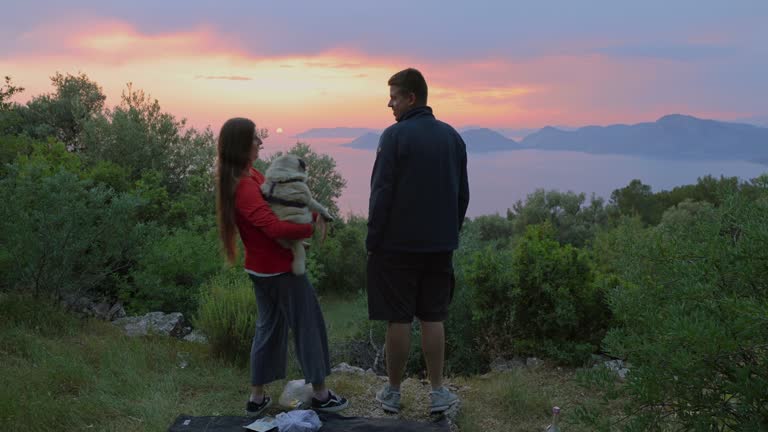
x: 342, y: 257
x: 64, y: 113
x: 169, y: 271
x: 63, y: 235
x: 139, y: 136
x: 638, y: 198
x: 11, y: 147
x: 10, y: 118
x: 539, y: 297
x: 573, y: 221
x: 487, y: 230
x: 693, y: 312
x: 463, y: 335
x: 7, y: 91
x: 227, y: 315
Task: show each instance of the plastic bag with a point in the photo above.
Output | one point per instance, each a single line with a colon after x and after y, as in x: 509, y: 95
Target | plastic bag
x: 297, y: 393
x: 298, y: 421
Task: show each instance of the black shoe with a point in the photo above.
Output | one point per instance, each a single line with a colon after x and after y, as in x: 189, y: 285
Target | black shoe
x: 333, y: 404
x: 252, y: 409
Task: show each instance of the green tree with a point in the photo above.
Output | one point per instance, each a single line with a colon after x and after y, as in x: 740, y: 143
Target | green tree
x: 707, y: 189
x: 10, y: 118
x: 170, y: 269
x: 490, y: 229
x: 637, y: 199
x: 538, y: 298
x: 13, y: 146
x: 692, y: 309
x: 7, y: 91
x: 62, y: 235
x: 574, y: 222
x: 64, y: 113
x: 139, y: 136
x: 342, y: 257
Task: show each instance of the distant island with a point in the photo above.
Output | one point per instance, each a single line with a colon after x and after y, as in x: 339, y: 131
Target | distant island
x: 336, y: 132
x: 673, y: 136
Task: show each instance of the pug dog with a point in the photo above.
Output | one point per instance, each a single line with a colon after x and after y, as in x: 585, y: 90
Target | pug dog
x: 285, y: 189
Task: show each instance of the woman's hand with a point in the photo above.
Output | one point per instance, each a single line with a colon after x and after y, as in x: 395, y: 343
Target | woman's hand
x: 322, y: 227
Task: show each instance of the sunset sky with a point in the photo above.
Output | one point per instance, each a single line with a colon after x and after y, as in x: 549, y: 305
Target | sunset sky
x: 303, y: 64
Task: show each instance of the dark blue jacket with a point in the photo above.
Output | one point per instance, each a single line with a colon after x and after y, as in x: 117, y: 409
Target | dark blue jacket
x: 419, y: 187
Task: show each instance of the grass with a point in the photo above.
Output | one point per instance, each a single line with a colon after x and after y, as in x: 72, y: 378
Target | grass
x: 66, y: 374
x: 91, y: 377
x: 343, y: 315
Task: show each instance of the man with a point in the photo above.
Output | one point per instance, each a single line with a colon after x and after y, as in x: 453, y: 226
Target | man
x: 419, y: 196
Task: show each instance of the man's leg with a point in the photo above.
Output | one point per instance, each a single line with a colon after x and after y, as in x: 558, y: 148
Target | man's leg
x: 391, y: 297
x: 433, y: 346
x: 397, y: 347
x: 435, y: 295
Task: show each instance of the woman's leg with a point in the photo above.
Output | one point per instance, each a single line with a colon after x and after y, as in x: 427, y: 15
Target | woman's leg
x: 305, y: 317
x: 270, y: 341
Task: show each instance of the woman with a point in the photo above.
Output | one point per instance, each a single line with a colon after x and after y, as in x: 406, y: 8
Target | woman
x: 284, y: 299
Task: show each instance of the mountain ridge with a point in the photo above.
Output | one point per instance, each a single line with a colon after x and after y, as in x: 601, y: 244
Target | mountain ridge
x: 673, y: 136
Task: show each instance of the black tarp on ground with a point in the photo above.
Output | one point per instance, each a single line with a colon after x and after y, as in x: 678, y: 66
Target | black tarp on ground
x: 331, y: 423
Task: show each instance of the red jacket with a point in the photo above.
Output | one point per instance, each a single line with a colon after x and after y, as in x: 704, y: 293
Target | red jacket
x: 259, y: 228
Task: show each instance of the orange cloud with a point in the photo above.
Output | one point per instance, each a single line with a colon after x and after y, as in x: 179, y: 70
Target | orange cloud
x: 112, y: 41
x: 201, y: 75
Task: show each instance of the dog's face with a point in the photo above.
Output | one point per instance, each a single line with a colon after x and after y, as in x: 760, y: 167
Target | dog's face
x: 290, y: 163
x: 287, y: 166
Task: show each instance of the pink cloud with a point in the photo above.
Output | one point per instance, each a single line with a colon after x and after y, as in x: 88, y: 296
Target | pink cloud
x: 566, y: 89
x: 112, y: 41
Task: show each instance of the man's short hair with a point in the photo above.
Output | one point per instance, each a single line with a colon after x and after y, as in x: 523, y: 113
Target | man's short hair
x: 411, y: 81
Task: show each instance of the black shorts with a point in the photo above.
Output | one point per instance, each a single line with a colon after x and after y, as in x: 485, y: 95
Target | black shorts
x: 404, y: 285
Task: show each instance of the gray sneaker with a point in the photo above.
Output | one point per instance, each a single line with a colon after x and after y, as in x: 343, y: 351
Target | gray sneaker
x: 441, y: 400
x: 389, y: 399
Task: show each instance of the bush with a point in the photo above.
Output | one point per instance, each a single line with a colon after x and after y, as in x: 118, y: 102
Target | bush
x: 170, y: 270
x: 61, y: 235
x: 490, y: 278
x: 227, y: 315
x: 573, y: 219
x: 342, y: 258
x: 110, y: 174
x: 490, y: 230
x: 693, y: 313
x: 463, y: 353
x: 540, y: 298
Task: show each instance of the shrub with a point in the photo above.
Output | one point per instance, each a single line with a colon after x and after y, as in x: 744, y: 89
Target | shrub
x: 573, y: 219
x: 539, y: 298
x: 227, y: 315
x: 170, y: 270
x: 463, y: 353
x: 342, y: 258
x: 61, y: 235
x: 693, y: 313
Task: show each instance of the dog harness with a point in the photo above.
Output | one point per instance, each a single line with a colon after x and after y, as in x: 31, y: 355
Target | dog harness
x: 270, y: 198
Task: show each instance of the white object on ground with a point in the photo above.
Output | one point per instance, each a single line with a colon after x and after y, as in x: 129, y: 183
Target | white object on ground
x: 298, y: 421
x: 262, y: 425
x: 296, y: 393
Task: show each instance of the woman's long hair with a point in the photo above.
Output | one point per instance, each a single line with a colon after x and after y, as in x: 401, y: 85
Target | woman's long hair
x: 234, y: 150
